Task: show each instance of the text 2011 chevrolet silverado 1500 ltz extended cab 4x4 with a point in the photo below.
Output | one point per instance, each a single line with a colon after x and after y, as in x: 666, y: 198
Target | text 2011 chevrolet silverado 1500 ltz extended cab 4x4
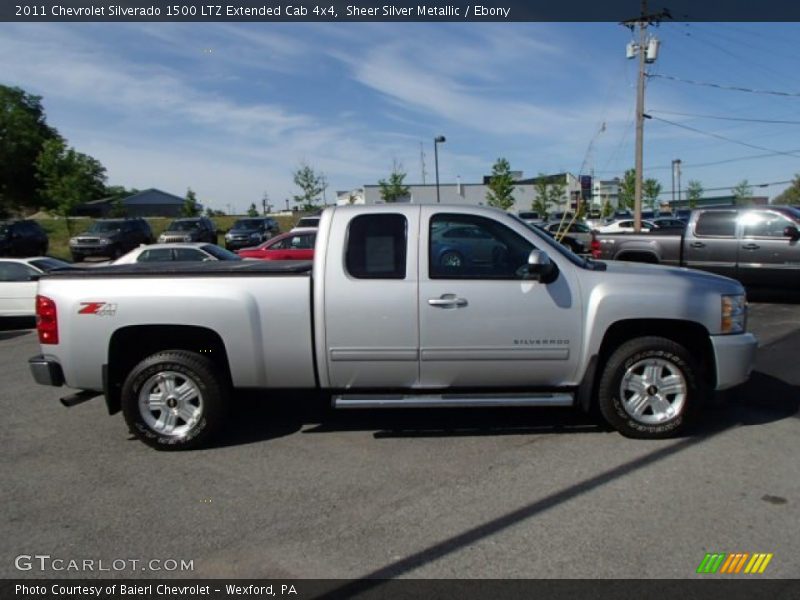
x: 405, y: 305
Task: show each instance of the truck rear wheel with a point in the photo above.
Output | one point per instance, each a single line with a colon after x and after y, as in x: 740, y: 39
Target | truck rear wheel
x: 648, y: 388
x: 174, y: 400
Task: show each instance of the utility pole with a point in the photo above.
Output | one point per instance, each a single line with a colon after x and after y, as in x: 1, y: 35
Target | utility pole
x: 646, y: 50
x: 678, y: 168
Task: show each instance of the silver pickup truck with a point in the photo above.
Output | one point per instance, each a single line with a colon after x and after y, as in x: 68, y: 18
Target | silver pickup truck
x: 404, y: 306
x: 759, y: 246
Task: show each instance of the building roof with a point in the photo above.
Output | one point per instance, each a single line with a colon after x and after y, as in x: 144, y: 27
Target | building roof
x: 153, y: 196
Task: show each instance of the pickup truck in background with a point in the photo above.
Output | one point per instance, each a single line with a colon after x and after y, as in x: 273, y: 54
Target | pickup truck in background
x: 759, y: 246
x: 394, y: 312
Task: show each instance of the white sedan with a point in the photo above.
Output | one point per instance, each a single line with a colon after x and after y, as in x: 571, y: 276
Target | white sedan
x: 18, y: 282
x: 626, y: 225
x: 192, y: 252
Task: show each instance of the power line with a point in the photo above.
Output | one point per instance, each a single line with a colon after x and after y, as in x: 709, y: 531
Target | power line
x: 719, y: 117
x: 722, y: 137
x: 730, y: 187
x: 726, y: 87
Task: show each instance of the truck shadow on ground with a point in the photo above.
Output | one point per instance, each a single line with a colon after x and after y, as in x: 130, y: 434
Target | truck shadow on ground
x: 762, y: 400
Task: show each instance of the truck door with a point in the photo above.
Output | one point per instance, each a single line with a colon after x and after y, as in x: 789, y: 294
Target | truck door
x: 481, y: 323
x: 767, y: 257
x: 370, y: 298
x: 712, y: 245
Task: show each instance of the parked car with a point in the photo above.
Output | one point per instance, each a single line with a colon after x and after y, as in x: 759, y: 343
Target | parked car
x: 181, y: 252
x: 382, y: 325
x: 625, y: 225
x: 575, y: 245
x: 759, y: 246
x: 191, y: 229
x: 465, y: 247
x: 577, y: 231
x: 306, y: 224
x: 665, y: 223
x: 531, y: 217
x: 110, y: 238
x: 18, y: 281
x: 22, y: 238
x: 298, y: 245
x: 251, y: 231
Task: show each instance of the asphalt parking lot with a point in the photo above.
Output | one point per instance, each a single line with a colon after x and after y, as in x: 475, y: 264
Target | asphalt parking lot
x: 296, y: 491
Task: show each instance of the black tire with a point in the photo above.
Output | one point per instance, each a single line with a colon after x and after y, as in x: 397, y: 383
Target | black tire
x: 178, y: 365
x: 77, y: 257
x: 664, y: 415
x: 115, y: 253
x: 43, y: 249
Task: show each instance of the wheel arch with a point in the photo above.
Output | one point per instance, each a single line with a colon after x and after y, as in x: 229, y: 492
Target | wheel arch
x: 130, y: 345
x: 691, y: 335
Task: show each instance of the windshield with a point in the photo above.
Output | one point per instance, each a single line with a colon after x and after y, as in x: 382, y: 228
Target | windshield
x: 183, y: 225
x: 546, y: 238
x: 105, y: 226
x: 220, y: 253
x: 50, y: 264
x: 247, y: 224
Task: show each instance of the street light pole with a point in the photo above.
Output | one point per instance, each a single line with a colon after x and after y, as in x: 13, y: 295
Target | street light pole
x: 439, y: 139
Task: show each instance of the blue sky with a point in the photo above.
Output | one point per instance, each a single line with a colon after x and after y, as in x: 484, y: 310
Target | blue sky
x: 230, y: 110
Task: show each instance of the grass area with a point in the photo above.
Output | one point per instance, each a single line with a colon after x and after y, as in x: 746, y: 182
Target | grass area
x: 59, y: 236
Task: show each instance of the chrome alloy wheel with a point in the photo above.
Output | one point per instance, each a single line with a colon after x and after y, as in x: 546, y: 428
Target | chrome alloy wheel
x: 653, y: 390
x: 170, y: 403
x: 451, y: 259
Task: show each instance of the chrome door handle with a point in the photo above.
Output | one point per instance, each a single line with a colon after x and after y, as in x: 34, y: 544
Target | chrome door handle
x: 698, y: 245
x: 751, y: 247
x: 447, y: 301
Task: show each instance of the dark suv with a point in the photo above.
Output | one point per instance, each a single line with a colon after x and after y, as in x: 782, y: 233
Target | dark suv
x: 22, y: 238
x: 251, y: 232
x: 110, y: 238
x: 193, y: 229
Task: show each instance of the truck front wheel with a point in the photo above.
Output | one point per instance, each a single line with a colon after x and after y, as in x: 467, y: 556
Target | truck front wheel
x: 174, y: 400
x: 648, y: 388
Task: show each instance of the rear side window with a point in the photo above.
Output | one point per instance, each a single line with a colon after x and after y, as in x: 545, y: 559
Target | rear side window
x: 376, y: 247
x: 716, y: 224
x: 155, y: 255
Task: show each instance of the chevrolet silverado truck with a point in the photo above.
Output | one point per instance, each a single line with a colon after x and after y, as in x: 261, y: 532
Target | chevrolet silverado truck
x: 759, y: 246
x: 403, y: 306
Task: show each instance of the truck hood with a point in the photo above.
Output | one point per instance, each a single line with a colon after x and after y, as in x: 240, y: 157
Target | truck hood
x: 724, y: 285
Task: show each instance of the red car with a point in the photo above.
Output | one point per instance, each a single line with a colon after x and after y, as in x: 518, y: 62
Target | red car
x: 286, y: 246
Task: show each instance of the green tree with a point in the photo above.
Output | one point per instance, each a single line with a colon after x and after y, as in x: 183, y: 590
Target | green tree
x: 556, y: 191
x: 694, y: 191
x: 742, y: 192
x: 501, y: 186
x: 627, y: 189
x: 190, y: 206
x: 311, y: 184
x: 790, y: 195
x: 68, y: 178
x: 252, y: 211
x: 652, y: 190
x: 608, y: 210
x: 541, y: 198
x: 393, y: 190
x: 23, y: 132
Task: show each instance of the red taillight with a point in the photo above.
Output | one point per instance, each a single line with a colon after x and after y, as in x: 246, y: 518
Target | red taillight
x: 595, y: 247
x: 46, y: 320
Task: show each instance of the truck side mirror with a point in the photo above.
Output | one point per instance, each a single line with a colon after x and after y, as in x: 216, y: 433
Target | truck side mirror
x: 541, y: 268
x: 791, y: 232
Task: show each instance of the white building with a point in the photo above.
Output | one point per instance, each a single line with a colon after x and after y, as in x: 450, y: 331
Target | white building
x: 605, y: 190
x: 475, y: 193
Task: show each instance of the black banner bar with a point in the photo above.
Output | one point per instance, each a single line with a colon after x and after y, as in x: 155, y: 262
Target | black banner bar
x: 397, y: 11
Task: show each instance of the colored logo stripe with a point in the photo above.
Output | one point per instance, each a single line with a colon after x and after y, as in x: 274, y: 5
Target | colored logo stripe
x: 733, y: 563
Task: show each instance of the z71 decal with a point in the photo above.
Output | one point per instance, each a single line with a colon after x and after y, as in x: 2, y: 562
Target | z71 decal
x: 101, y: 309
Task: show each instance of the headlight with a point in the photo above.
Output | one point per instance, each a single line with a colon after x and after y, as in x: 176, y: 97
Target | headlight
x: 161, y: 239
x: 73, y: 242
x: 187, y: 238
x: 228, y: 236
x: 104, y: 241
x: 734, y: 313
x: 255, y: 236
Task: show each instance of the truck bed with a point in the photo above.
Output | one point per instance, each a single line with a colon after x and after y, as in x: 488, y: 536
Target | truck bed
x: 222, y: 268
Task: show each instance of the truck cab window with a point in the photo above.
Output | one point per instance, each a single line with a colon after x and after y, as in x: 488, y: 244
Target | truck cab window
x: 376, y: 247
x: 472, y: 247
x: 765, y: 224
x: 717, y: 224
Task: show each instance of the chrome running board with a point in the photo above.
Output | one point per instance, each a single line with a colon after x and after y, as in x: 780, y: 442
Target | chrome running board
x: 451, y: 400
